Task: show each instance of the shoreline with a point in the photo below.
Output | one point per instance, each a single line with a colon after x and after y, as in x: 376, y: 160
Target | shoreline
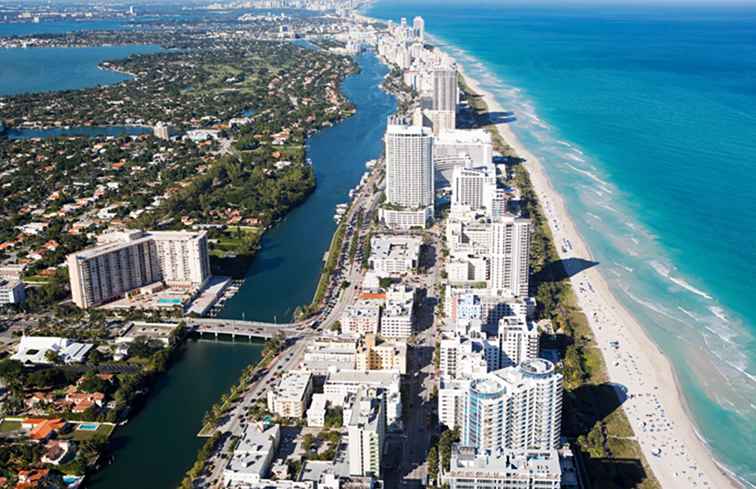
x: 689, y: 459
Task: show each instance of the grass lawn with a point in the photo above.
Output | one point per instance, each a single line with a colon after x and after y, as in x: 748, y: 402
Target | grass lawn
x: 7, y: 426
x: 102, y: 431
x: 234, y: 241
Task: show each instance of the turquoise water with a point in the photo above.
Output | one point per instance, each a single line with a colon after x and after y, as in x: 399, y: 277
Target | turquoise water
x: 645, y: 119
x: 285, y: 272
x: 87, y: 427
x: 45, y: 69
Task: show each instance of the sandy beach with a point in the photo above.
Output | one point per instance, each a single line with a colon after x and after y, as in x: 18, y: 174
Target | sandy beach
x: 664, y: 430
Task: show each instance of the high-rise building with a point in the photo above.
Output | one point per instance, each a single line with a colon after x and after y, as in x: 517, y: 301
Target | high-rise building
x: 409, y: 175
x: 125, y: 261
x: 517, y: 340
x: 509, y: 255
x: 418, y: 28
x: 472, y: 188
x: 514, y: 408
x: 445, y: 89
x: 366, y: 428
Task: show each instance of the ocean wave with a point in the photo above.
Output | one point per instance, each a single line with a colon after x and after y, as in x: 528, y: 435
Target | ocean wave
x: 594, y: 216
x: 688, y: 313
x: 604, y: 184
x: 653, y: 307
x: 719, y: 312
x: 624, y: 267
x: 665, y: 272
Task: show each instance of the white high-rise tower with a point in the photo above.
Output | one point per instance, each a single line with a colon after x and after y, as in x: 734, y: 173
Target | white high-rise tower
x: 418, y: 28
x: 509, y: 255
x: 409, y: 175
x: 514, y: 408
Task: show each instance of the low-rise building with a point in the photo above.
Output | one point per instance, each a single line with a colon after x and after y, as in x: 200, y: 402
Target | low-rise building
x: 394, y: 255
x: 324, y: 353
x: 316, y: 413
x: 503, y: 469
x: 398, y: 316
x: 37, y: 350
x: 363, y: 317
x: 153, y: 332
x: 12, y: 291
x: 251, y: 459
x: 289, y: 399
x: 374, y: 353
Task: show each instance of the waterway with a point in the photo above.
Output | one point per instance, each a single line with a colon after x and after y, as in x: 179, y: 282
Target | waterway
x: 47, y: 69
x: 159, y: 444
x: 84, y: 131
x: 285, y: 272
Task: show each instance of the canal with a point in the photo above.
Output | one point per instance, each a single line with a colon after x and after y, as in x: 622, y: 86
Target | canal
x: 159, y: 445
x: 285, y: 272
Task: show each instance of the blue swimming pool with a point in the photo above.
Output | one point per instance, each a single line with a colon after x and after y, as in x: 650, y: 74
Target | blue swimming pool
x: 88, y: 427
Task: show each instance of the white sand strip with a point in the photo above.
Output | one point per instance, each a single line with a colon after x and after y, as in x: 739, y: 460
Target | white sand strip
x: 654, y: 405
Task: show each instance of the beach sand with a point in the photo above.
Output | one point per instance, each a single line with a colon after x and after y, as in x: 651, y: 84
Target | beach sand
x: 654, y: 405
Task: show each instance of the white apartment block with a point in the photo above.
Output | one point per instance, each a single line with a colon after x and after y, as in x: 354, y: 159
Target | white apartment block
x: 125, y: 261
x: 472, y: 189
x: 366, y: 430
x: 518, y: 340
x: 324, y: 353
x: 469, y: 233
x: 460, y: 147
x: 398, y: 316
x: 516, y: 408
x: 452, y: 396
x: 503, y: 469
x: 466, y: 268
x: 403, y: 219
x: 363, y: 317
x: 251, y: 460
x: 11, y: 291
x: 183, y: 257
x: 510, y: 252
x: 394, y: 255
x: 340, y: 384
x: 289, y: 399
x: 409, y: 168
x: 316, y: 413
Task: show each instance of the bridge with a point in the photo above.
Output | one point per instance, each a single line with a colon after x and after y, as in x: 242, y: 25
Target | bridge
x: 245, y: 329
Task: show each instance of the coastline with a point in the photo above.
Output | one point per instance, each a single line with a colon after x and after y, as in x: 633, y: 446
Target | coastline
x: 638, y: 365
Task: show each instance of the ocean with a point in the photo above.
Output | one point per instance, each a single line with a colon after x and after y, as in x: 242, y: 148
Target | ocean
x: 645, y: 120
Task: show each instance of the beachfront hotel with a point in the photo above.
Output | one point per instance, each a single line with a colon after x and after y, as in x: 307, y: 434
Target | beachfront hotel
x: 124, y: 261
x: 409, y: 176
x: 509, y: 255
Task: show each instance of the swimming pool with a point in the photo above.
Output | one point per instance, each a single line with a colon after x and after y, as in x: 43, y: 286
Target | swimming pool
x: 169, y: 300
x: 88, y: 427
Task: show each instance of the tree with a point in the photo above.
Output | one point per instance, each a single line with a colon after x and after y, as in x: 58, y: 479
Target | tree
x: 52, y: 356
x: 432, y: 465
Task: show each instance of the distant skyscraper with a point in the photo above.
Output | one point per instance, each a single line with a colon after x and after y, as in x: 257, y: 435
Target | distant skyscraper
x: 418, y: 28
x: 509, y: 255
x: 409, y: 167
